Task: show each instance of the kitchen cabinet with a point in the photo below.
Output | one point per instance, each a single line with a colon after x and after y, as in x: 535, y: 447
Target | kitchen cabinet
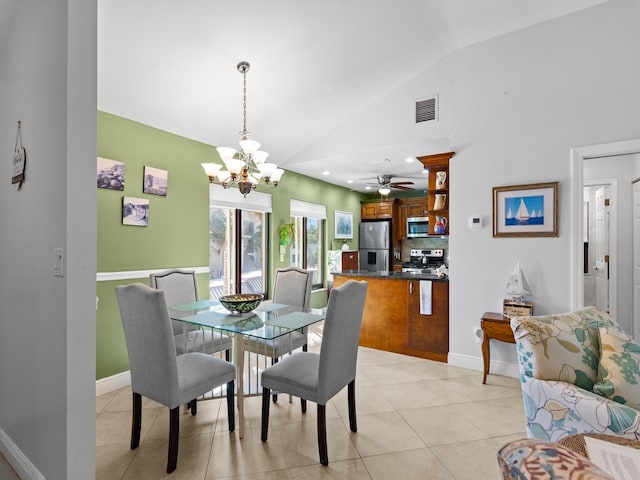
x: 392, y: 321
x: 438, y: 192
x: 350, y: 261
x: 376, y: 210
x: 408, y: 207
x: 429, y: 332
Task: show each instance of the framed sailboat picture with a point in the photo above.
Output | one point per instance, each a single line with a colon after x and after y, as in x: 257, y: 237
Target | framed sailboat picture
x: 526, y: 210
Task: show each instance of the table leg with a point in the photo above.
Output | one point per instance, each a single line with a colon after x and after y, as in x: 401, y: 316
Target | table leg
x: 238, y: 351
x: 486, y: 356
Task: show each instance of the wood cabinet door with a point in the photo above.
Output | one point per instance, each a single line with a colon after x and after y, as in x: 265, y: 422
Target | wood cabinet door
x: 385, y: 210
x: 417, y: 208
x: 429, y: 333
x: 349, y: 261
x: 368, y: 211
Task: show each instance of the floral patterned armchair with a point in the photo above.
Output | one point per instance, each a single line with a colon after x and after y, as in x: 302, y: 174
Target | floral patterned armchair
x: 579, y: 374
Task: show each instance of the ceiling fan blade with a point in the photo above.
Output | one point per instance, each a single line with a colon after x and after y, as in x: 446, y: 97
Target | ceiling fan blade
x: 402, y: 187
x: 402, y: 183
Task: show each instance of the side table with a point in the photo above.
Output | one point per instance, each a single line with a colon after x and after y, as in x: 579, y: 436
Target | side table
x: 494, y: 325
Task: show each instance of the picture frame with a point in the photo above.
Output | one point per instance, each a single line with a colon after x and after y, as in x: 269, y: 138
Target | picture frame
x: 155, y: 181
x: 529, y: 210
x: 343, y: 224
x: 135, y: 211
x: 110, y: 174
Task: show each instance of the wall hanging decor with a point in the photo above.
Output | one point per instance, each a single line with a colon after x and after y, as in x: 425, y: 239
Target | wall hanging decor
x: 526, y: 210
x: 19, y: 159
x: 155, y: 181
x: 344, y: 224
x: 135, y: 211
x: 110, y: 174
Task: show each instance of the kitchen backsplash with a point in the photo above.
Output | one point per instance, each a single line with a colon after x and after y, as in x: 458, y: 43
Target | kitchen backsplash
x: 425, y: 243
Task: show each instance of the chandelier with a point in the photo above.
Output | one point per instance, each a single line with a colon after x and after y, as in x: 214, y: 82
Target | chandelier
x: 247, y: 167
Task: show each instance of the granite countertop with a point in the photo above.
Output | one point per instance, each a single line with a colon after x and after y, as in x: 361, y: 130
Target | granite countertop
x: 391, y: 275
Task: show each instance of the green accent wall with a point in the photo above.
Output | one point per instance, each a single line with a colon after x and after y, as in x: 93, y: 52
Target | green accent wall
x: 178, y: 230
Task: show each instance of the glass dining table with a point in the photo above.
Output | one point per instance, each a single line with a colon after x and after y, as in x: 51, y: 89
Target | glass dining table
x: 267, y: 322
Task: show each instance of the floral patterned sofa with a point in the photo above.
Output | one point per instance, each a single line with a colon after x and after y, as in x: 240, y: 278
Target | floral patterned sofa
x: 579, y: 373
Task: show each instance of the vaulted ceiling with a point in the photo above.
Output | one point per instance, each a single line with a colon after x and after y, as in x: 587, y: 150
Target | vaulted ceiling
x: 314, y: 65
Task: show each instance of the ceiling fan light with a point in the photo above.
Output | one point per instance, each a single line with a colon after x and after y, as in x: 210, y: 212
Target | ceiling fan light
x: 384, y: 190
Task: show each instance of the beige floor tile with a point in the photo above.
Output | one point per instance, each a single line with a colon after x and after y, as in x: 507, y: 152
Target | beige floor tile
x: 150, y: 462
x: 114, y: 428
x: 122, y: 401
x: 409, y: 371
x: 368, y: 400
x: 418, y: 464
x: 496, y: 417
x: 103, y: 400
x: 404, y: 396
x: 203, y: 422
x: 347, y: 469
x: 112, y: 461
x: 371, y: 356
x: 231, y: 456
x: 441, y: 425
x: 473, y: 460
x: 274, y: 475
x: 383, y: 433
x: 300, y: 443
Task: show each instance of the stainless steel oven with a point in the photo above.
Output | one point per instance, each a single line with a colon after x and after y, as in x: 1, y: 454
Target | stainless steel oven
x: 417, y: 227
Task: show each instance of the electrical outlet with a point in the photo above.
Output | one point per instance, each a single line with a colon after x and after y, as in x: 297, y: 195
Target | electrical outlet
x: 58, y: 262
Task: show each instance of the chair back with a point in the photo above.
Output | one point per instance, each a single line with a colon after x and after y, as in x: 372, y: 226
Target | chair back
x: 293, y: 287
x: 150, y: 343
x: 340, y: 337
x: 179, y: 286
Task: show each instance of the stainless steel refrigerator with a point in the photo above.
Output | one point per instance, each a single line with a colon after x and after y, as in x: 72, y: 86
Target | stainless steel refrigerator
x: 375, y: 245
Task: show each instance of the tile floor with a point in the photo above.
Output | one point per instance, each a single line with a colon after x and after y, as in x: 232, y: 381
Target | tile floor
x: 425, y: 419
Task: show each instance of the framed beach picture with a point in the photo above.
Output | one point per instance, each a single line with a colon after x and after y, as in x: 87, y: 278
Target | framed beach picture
x: 155, y: 181
x: 344, y: 224
x: 135, y: 211
x: 110, y: 174
x: 526, y: 210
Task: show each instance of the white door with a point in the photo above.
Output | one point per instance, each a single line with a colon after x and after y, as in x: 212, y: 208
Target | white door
x: 601, y: 248
x: 636, y: 259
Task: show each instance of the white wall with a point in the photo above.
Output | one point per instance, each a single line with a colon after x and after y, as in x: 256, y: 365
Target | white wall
x: 513, y: 108
x: 47, y: 323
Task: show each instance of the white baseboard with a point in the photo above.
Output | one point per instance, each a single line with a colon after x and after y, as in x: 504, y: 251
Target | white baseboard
x: 475, y: 363
x: 114, y: 382
x: 18, y: 460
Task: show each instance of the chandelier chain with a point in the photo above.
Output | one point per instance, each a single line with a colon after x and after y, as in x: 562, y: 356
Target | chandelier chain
x: 244, y: 105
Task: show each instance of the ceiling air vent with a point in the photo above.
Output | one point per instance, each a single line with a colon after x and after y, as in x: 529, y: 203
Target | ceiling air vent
x: 426, y: 109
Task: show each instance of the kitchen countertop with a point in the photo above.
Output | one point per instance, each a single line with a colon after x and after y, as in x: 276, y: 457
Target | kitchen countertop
x: 392, y: 275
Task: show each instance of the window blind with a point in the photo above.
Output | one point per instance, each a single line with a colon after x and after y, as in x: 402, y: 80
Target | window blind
x: 299, y: 208
x: 232, y: 198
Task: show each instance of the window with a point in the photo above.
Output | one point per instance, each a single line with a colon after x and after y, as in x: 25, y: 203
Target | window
x: 238, y: 241
x: 308, y: 252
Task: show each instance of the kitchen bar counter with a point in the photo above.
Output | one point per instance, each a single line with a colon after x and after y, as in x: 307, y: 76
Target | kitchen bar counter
x: 391, y: 275
x: 393, y: 319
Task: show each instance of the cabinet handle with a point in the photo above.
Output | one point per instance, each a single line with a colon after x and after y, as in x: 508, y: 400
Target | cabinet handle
x: 410, y: 288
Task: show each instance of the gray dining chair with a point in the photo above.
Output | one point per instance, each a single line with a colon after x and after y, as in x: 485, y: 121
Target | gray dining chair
x: 318, y: 377
x: 180, y: 286
x: 292, y: 287
x: 157, y: 372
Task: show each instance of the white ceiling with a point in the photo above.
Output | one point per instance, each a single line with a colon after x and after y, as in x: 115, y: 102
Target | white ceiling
x: 314, y: 65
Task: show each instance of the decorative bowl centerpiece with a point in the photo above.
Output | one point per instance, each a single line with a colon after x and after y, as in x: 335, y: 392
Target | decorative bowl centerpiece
x: 241, y: 302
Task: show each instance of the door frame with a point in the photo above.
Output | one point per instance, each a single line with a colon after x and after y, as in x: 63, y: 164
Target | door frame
x: 578, y: 156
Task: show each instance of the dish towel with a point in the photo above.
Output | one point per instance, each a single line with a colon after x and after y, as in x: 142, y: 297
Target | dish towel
x: 425, y: 297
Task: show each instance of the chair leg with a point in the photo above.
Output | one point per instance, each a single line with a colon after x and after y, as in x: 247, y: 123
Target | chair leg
x: 274, y: 360
x: 227, y: 355
x: 174, y: 433
x: 322, y: 435
x: 136, y: 421
x: 351, y: 394
x: 303, y: 404
x: 193, y: 406
x: 231, y: 411
x: 265, y: 413
x: 304, y: 347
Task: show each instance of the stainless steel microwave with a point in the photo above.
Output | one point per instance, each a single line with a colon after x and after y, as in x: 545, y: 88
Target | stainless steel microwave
x: 417, y: 227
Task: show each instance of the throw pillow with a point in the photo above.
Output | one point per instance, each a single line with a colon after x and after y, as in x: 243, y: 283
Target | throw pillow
x: 561, y: 347
x: 619, y: 369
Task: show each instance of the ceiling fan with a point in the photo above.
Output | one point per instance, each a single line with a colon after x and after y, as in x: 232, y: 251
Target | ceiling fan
x: 385, y: 185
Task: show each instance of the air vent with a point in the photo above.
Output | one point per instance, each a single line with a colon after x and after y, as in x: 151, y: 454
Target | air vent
x: 426, y: 109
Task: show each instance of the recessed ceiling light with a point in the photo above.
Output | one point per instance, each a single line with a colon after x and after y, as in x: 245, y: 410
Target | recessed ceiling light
x: 349, y: 181
x: 367, y: 187
x: 425, y: 172
x: 409, y: 159
x: 326, y: 172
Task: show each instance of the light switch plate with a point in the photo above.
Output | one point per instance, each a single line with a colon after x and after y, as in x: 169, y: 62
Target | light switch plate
x: 58, y: 262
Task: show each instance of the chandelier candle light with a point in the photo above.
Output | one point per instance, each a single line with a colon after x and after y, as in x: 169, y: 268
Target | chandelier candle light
x: 246, y: 168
